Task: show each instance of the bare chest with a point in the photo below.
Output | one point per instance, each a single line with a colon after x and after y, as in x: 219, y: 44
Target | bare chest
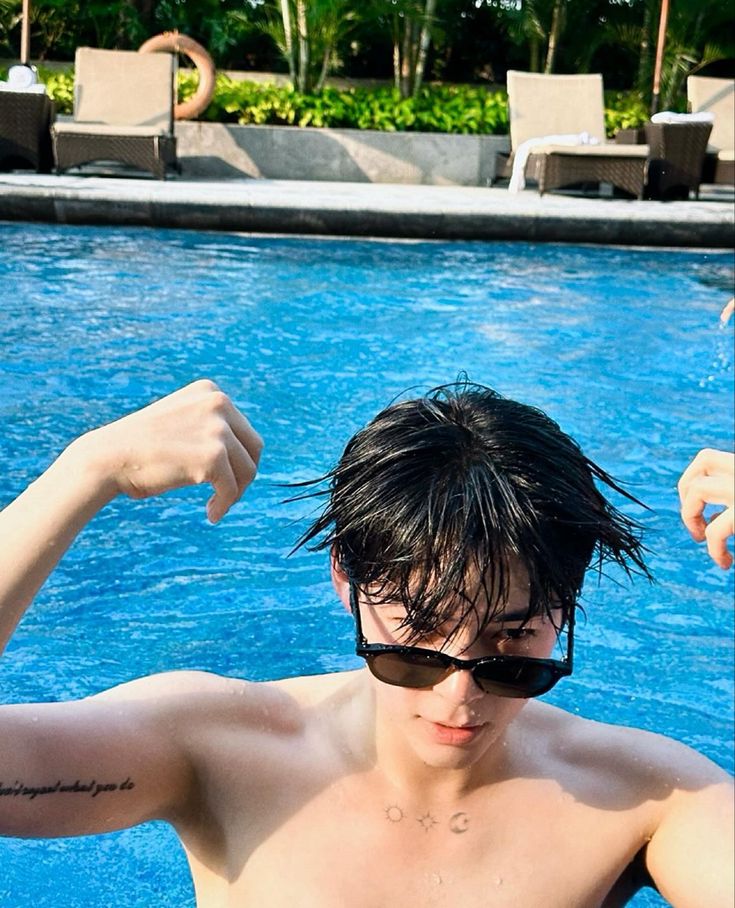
x: 530, y: 845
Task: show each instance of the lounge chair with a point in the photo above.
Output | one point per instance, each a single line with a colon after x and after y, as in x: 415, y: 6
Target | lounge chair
x: 718, y: 97
x: 568, y: 106
x: 123, y: 111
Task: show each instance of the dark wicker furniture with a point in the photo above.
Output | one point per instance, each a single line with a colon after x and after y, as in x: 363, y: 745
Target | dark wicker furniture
x: 558, y: 169
x: 718, y: 169
x: 25, y: 139
x: 676, y: 158
x: 151, y: 153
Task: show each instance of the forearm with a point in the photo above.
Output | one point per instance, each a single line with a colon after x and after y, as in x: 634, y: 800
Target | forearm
x: 40, y: 525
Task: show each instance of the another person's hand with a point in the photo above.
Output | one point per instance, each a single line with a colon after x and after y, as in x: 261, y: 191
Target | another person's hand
x: 710, y: 480
x: 727, y: 311
x: 195, y: 435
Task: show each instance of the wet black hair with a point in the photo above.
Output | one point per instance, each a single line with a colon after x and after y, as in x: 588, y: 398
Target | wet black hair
x: 437, y: 499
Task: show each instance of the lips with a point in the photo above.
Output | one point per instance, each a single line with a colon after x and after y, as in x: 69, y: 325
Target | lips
x: 456, y: 735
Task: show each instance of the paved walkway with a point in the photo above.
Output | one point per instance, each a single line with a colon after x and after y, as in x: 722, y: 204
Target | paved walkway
x: 367, y: 209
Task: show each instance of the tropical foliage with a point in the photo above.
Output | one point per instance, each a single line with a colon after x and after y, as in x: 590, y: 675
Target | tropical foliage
x: 403, y: 42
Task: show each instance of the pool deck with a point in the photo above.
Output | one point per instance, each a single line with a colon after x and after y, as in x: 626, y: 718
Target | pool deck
x: 368, y: 209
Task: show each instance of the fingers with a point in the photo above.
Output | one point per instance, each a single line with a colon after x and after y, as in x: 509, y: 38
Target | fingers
x: 221, y: 406
x: 718, y: 531
x: 244, y: 433
x: 710, y: 480
x: 701, y: 491
x: 234, y: 470
x: 727, y: 311
x: 707, y: 462
x: 234, y: 467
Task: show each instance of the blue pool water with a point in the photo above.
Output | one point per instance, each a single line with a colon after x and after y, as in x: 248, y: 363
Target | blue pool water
x: 311, y: 337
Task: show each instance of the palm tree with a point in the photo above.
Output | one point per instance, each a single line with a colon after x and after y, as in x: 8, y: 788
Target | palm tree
x: 307, y: 33
x: 411, y: 24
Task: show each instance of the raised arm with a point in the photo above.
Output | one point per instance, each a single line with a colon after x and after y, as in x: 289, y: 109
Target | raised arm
x: 121, y: 757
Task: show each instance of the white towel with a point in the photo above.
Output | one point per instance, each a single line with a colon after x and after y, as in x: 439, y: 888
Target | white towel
x: 668, y: 116
x: 518, y: 177
x: 23, y: 78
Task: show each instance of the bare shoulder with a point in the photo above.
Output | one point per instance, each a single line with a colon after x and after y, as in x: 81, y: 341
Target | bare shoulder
x: 313, y: 691
x: 678, y: 803
x: 623, y: 761
x: 196, y: 697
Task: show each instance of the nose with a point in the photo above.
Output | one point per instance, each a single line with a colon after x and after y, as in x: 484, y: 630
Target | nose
x: 459, y: 687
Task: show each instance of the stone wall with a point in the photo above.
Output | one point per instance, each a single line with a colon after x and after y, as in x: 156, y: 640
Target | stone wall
x: 219, y: 150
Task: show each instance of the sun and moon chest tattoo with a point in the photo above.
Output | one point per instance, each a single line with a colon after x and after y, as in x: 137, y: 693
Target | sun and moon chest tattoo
x: 91, y: 788
x: 458, y: 822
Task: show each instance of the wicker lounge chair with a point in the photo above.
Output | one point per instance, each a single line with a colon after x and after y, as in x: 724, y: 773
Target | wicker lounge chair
x: 542, y: 105
x: 123, y: 111
x: 718, y: 97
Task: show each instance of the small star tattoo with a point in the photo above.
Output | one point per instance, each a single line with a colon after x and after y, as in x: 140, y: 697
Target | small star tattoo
x: 426, y: 821
x: 394, y: 814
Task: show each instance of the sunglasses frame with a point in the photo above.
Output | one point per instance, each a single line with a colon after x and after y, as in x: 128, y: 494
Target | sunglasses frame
x: 560, y: 667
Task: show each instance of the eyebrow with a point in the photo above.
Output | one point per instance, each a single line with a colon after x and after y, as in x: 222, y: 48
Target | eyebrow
x: 505, y: 617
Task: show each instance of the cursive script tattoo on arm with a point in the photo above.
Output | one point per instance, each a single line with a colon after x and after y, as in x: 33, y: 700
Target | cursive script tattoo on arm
x: 93, y: 788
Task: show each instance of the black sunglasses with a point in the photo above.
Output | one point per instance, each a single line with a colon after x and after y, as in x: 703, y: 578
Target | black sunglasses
x: 504, y: 676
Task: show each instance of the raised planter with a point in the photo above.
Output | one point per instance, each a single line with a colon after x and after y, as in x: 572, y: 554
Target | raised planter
x: 219, y: 150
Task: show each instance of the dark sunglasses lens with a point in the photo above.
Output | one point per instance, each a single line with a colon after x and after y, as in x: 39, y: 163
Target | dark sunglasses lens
x: 521, y: 678
x: 407, y: 669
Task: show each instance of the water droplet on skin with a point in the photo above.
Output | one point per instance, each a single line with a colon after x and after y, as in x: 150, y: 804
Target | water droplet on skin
x: 498, y: 881
x: 436, y: 879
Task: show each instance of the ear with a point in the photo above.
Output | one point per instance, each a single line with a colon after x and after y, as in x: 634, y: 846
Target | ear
x: 340, y: 582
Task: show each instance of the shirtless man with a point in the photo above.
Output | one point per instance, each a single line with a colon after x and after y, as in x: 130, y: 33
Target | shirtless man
x: 459, y: 524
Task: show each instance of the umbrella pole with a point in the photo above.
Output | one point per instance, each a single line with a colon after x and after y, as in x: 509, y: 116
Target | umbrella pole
x: 659, y: 55
x: 25, y: 33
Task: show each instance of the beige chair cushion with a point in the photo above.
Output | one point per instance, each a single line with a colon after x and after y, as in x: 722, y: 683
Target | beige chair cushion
x: 543, y: 105
x: 606, y: 150
x: 124, y: 88
x: 718, y: 97
x: 105, y: 129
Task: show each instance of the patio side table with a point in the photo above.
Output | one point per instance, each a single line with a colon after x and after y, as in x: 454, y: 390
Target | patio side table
x: 25, y: 130
x: 676, y: 158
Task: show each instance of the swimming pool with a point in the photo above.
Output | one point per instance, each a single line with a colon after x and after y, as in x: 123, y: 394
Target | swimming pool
x: 310, y: 337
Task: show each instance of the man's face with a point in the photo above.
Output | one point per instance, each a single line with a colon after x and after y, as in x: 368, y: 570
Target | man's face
x: 454, y: 723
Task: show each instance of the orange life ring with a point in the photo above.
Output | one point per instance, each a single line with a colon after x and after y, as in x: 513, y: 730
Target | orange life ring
x: 175, y: 43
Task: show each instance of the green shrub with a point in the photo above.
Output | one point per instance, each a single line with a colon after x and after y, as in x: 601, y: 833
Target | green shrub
x: 625, y: 110
x: 60, y: 86
x: 438, y: 108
